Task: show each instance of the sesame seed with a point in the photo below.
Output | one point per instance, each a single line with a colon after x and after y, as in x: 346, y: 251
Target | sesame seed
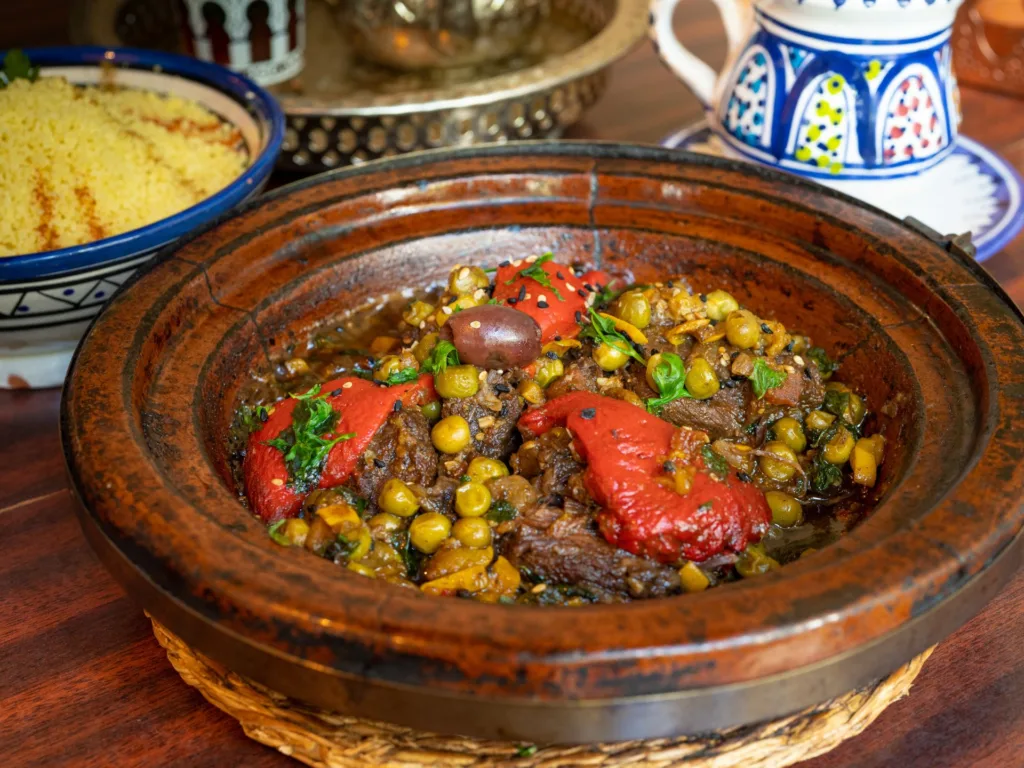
x: 277, y: 481
x: 512, y: 302
x: 503, y: 388
x: 379, y: 464
x: 464, y: 273
x: 765, y: 328
x: 335, y: 392
x: 542, y: 304
x: 397, y: 407
x: 589, y: 287
x: 479, y: 293
x: 789, y: 369
x: 479, y: 436
x: 522, y: 293
x: 347, y: 385
x: 579, y: 316
x: 527, y: 297
x: 570, y: 286
x: 558, y: 337
x: 447, y: 310
x: 530, y: 259
x: 486, y: 421
x: 517, y: 262
x: 504, y: 263
x: 743, y: 477
x: 588, y: 413
x: 703, y: 297
x: 482, y: 376
x: 581, y: 293
x: 798, y: 360
x: 539, y: 588
x: 542, y: 297
x: 559, y: 275
x: 551, y: 355
x: 475, y: 324
x: 423, y: 324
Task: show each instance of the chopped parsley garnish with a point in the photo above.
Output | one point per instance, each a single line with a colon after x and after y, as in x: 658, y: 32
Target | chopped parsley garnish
x: 826, y: 365
x: 606, y: 296
x: 836, y: 402
x: 670, y: 378
x: 713, y: 461
x: 706, y: 506
x: 403, y: 376
x: 253, y: 417
x: 501, y: 512
x: 441, y: 356
x: 17, y: 66
x: 303, y: 444
x: 412, y: 558
x: 604, y: 330
x: 536, y: 272
x: 493, y: 301
x: 275, y: 533
x: 764, y: 377
x: 825, y: 475
x: 526, y: 750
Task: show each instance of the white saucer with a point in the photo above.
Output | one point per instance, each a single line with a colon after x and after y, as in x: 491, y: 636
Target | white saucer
x: 973, y: 190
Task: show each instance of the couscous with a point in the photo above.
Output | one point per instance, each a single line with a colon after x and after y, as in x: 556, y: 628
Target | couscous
x: 78, y: 164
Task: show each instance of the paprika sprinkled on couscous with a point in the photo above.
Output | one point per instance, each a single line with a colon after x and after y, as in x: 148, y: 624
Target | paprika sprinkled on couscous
x: 80, y: 163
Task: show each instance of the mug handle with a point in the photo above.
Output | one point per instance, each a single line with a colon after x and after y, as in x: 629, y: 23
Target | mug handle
x: 691, y: 70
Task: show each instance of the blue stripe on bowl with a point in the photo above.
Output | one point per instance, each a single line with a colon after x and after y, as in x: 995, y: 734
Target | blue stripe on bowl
x: 260, y: 104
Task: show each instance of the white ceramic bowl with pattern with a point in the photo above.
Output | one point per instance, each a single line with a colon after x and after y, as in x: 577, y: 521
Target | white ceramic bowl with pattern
x: 47, y: 300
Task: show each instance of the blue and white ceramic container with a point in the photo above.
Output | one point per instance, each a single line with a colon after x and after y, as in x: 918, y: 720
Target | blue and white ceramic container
x: 47, y: 300
x: 837, y: 90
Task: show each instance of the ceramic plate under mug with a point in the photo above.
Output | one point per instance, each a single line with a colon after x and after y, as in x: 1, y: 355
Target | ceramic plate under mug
x: 974, y: 190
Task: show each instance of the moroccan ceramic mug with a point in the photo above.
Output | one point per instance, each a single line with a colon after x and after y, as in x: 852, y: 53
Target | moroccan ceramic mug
x: 832, y: 89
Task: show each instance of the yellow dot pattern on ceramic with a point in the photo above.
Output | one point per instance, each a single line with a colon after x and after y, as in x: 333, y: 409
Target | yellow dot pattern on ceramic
x: 835, y: 83
x: 803, y: 154
x: 874, y: 69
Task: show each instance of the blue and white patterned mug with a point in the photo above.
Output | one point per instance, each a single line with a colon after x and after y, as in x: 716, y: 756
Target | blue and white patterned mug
x: 837, y: 90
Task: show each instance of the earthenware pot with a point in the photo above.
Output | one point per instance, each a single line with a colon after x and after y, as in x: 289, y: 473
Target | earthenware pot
x: 916, y: 325
x: 841, y: 91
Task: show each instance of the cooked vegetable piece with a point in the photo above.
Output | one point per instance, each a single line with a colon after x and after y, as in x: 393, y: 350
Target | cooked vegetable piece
x: 638, y: 513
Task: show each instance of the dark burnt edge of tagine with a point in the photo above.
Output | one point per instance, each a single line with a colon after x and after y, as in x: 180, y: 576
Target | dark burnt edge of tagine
x: 473, y: 668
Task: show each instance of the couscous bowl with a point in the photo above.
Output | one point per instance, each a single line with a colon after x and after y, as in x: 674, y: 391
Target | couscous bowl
x: 107, y: 157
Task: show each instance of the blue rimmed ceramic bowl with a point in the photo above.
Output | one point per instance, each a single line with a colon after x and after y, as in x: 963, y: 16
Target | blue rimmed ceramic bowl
x: 48, y: 299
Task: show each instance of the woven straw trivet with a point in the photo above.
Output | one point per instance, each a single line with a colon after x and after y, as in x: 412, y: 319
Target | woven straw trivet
x: 324, y: 739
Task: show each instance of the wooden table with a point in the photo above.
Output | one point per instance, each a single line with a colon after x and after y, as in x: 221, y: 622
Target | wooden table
x: 83, y: 682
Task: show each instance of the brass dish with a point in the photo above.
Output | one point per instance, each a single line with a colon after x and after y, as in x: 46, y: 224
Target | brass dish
x: 342, y: 111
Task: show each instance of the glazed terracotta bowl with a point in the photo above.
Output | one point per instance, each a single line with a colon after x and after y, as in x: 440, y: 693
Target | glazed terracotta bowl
x: 917, y: 326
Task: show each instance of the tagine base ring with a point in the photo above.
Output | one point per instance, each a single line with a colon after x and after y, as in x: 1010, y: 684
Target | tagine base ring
x: 325, y: 739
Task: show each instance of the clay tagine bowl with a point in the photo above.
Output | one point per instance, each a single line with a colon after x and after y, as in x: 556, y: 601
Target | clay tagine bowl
x: 147, y: 408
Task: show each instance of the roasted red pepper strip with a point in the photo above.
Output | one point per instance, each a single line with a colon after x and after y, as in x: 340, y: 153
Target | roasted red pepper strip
x: 363, y: 408
x: 559, y: 316
x: 624, y: 447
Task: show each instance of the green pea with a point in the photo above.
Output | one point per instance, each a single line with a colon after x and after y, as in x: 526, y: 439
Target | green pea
x: 789, y: 431
x: 742, y: 329
x: 786, y: 511
x: 701, y: 379
x: 457, y: 381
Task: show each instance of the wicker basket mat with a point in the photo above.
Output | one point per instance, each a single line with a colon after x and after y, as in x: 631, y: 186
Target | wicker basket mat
x: 327, y: 740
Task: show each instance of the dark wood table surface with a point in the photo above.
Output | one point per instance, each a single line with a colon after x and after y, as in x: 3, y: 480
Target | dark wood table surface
x: 83, y: 682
